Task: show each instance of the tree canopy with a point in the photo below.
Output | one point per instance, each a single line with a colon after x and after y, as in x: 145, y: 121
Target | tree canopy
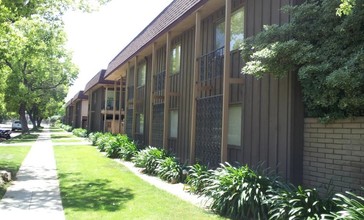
x: 34, y: 62
x: 326, y: 50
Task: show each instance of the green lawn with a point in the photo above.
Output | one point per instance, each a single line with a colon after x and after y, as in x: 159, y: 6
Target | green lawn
x: 27, y: 139
x: 95, y: 187
x: 11, y: 158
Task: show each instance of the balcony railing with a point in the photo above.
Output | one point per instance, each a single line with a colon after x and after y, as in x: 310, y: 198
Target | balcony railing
x: 212, y: 65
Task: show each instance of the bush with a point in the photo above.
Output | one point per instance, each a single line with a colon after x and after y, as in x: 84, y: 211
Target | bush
x: 197, y: 178
x: 297, y: 203
x: 66, y: 127
x: 112, y: 147
x: 351, y: 206
x: 238, y: 193
x: 149, y: 159
x: 128, y: 149
x: 169, y: 170
x: 80, y: 132
x: 94, y: 136
x: 102, y: 141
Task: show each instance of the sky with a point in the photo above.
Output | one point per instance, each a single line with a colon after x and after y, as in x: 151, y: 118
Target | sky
x: 96, y: 38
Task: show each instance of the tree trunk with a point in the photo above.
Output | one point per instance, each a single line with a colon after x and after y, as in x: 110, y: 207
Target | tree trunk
x: 32, y: 118
x: 23, y: 119
x: 39, y: 121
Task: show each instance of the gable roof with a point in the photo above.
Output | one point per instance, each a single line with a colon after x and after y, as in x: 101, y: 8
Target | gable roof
x: 170, y: 16
x: 99, y: 78
x: 79, y: 96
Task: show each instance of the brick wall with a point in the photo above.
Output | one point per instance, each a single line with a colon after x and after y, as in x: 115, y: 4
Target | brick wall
x: 334, y: 151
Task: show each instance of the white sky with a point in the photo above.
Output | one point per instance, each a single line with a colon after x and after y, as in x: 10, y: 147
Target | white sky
x: 96, y: 38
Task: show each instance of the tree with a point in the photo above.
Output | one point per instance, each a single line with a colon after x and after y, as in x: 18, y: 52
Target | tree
x: 37, y: 65
x: 326, y: 50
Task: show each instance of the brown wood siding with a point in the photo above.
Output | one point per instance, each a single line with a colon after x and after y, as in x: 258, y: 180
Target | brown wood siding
x: 98, y: 101
x: 271, y: 116
x: 181, y: 98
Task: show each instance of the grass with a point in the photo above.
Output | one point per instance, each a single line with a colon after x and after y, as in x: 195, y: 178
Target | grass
x: 23, y: 138
x: 95, y: 187
x: 11, y: 158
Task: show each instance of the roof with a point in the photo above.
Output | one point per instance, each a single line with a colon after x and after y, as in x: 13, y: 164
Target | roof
x: 79, y: 96
x: 170, y: 16
x: 99, y: 78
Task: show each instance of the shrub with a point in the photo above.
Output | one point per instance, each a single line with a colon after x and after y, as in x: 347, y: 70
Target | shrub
x: 238, y: 193
x: 128, y: 149
x: 169, y: 170
x: 197, y: 177
x: 297, y: 203
x: 102, y: 141
x: 93, y: 137
x: 66, y: 127
x: 80, y: 132
x: 112, y: 147
x: 351, y: 206
x: 149, y: 159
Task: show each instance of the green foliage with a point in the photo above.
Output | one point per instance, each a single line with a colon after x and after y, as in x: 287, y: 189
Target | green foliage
x: 238, y: 192
x: 128, y: 149
x: 80, y: 132
x: 66, y: 127
x: 197, y: 178
x: 93, y: 137
x: 169, y: 169
x: 325, y: 50
x: 112, y: 147
x: 351, y: 206
x: 149, y: 159
x: 297, y: 203
x: 103, y: 140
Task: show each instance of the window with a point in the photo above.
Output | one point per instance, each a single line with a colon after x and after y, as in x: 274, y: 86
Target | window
x: 234, y: 128
x: 110, y: 100
x: 140, y: 125
x: 173, y: 123
x: 176, y: 59
x: 237, y: 31
x: 142, y: 70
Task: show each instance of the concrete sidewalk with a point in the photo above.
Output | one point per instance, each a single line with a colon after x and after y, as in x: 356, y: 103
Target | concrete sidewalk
x: 35, y: 193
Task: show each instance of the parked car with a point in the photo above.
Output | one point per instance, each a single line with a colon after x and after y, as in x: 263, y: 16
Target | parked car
x: 16, y: 125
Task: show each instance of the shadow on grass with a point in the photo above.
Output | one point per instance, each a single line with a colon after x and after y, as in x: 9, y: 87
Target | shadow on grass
x: 23, y: 138
x: 93, y: 195
x: 56, y: 136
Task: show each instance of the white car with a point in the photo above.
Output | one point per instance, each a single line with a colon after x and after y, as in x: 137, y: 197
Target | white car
x: 16, y: 125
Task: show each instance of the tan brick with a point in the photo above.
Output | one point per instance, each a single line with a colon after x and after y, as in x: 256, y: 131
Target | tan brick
x: 343, y: 152
x: 311, y: 149
x: 334, y: 125
x: 342, y: 162
x: 333, y: 166
x: 317, y: 164
x: 351, y: 169
x: 310, y: 139
x: 317, y: 135
x: 357, y: 165
x: 317, y: 125
x: 311, y: 120
x: 357, y: 141
x: 306, y: 125
x: 351, y: 136
x: 358, y: 153
x: 333, y: 156
x: 351, y: 125
x: 324, y: 170
x: 342, y: 141
x: 326, y: 160
x: 334, y: 146
x: 314, y: 154
x: 325, y: 150
x: 357, y: 131
x: 325, y: 130
x: 352, y: 147
x: 325, y: 140
x: 318, y: 145
x: 334, y: 136
x: 351, y: 158
x: 342, y: 131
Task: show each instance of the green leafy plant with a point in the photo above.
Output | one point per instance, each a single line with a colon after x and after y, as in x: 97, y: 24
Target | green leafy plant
x: 93, y: 137
x: 128, y: 149
x: 351, y: 206
x: 197, y: 178
x: 80, y: 132
x: 66, y: 127
x: 102, y: 141
x: 149, y: 159
x: 112, y: 147
x: 238, y: 192
x: 169, y: 170
x: 297, y: 203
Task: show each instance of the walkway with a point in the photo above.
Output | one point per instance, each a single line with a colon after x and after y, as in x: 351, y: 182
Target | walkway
x: 35, y: 193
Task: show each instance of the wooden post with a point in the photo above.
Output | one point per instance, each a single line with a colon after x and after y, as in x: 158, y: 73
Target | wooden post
x: 105, y: 108
x: 151, y: 102
x: 114, y: 109
x: 166, y: 93
x: 194, y: 91
x: 226, y: 83
x: 89, y: 118
x: 135, y: 94
x: 126, y: 95
x: 120, y: 100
